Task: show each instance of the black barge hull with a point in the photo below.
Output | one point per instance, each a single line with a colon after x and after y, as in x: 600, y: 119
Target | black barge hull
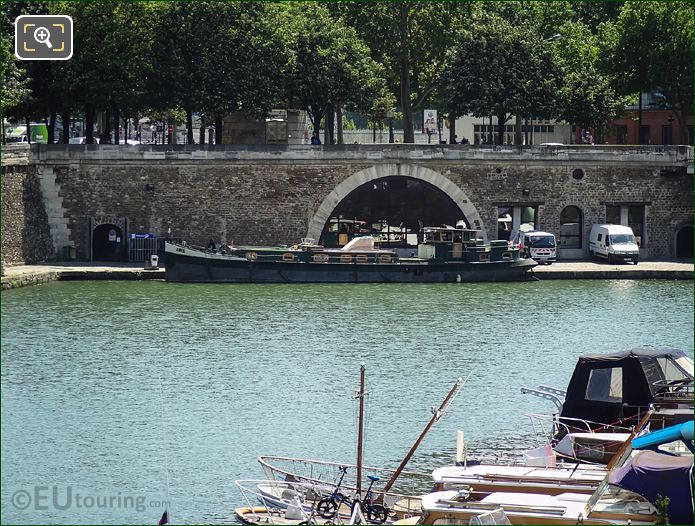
x: 211, y: 268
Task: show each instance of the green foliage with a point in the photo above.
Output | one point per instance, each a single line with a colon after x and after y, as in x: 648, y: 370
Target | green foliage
x: 587, y: 97
x: 661, y: 505
x: 500, y: 69
x: 328, y: 63
x: 15, y: 84
x: 650, y: 48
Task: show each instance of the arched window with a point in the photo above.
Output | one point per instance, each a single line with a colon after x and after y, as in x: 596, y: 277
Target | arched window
x: 571, y: 227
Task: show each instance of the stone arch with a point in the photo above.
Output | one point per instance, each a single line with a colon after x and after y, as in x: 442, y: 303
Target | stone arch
x: 379, y: 171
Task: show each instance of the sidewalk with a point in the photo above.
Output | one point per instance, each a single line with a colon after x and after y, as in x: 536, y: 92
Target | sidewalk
x: 23, y: 275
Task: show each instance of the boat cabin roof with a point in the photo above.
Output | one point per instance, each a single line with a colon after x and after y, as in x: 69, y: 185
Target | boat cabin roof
x: 603, y: 383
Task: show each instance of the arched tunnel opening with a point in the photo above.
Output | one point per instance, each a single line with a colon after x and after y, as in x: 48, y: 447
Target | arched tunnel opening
x: 393, y: 210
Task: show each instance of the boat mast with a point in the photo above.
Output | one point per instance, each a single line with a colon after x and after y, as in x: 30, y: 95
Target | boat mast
x: 435, y: 416
x: 360, y: 433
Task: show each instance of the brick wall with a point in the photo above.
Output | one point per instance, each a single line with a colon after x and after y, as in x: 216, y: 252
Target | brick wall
x: 270, y: 197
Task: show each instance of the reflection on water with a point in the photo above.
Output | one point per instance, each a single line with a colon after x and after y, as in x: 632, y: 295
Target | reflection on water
x: 271, y: 369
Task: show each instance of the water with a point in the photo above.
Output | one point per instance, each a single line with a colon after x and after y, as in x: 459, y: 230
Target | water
x: 103, y: 384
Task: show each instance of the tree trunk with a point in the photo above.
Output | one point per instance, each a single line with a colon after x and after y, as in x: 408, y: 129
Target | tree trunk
x: 189, y: 126
x: 501, y: 121
x: 52, y: 126
x: 116, y: 124
x: 218, y: 128
x: 517, y: 131
x: 201, y: 132
x: 339, y: 117
x: 89, y: 123
x: 452, y: 127
x: 408, y: 132
x: 106, y: 132
x: 126, y: 126
x: 328, y: 131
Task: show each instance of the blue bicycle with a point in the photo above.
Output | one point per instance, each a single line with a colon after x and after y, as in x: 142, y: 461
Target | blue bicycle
x: 328, y: 506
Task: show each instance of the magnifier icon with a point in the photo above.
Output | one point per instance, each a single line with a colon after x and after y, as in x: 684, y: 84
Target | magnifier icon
x: 42, y: 36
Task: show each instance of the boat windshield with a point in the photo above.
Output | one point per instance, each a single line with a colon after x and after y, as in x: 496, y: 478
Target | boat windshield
x: 623, y: 239
x: 612, y: 499
x: 685, y: 363
x: 542, y: 242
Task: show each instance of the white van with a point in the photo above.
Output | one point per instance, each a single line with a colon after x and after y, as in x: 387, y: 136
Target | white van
x: 535, y: 244
x: 613, y: 242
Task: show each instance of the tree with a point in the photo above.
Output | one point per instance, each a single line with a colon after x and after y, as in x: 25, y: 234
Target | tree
x: 411, y: 40
x: 15, y: 84
x: 110, y: 68
x: 588, y: 97
x: 329, y: 65
x: 241, y: 57
x: 503, y: 70
x: 650, y: 48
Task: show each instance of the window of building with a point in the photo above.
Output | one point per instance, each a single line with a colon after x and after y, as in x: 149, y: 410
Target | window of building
x: 667, y: 134
x: 621, y: 133
x: 645, y: 135
x: 629, y: 215
x: 635, y: 220
x: 613, y: 214
x: 571, y: 227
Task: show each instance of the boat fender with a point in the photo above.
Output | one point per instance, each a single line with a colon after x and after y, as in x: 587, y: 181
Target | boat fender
x: 251, y: 256
x: 458, y: 278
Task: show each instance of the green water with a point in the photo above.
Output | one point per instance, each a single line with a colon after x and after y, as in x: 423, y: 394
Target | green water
x: 271, y: 369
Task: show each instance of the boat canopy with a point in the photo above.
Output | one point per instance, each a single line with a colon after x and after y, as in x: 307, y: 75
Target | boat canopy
x: 362, y: 243
x: 652, y: 475
x: 609, y: 387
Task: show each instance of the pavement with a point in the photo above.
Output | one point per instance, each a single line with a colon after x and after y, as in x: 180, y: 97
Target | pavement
x: 22, y: 275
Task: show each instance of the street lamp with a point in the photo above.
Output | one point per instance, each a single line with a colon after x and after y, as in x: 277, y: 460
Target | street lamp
x: 389, y: 116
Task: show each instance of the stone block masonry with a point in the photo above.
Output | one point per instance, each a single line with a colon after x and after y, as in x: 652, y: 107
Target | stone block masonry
x: 274, y: 194
x: 25, y: 231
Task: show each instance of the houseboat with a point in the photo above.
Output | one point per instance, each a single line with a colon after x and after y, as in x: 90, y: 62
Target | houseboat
x: 445, y: 255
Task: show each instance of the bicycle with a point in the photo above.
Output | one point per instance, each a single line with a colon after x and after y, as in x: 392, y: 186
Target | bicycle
x: 376, y: 513
x: 328, y: 506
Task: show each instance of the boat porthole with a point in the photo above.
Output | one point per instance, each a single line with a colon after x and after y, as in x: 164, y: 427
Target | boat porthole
x: 506, y: 255
x: 361, y: 258
x: 287, y: 256
x: 346, y: 258
x: 320, y: 258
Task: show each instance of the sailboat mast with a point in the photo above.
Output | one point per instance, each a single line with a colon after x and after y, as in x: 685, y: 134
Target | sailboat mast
x: 435, y: 416
x: 360, y: 432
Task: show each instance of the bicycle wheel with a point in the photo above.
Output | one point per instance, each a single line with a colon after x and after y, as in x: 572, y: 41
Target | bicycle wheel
x: 377, y: 513
x: 326, y: 508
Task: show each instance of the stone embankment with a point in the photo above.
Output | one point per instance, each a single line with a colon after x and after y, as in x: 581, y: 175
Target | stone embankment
x: 22, y: 275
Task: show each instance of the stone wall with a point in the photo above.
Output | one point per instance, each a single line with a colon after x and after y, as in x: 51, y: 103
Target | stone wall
x: 25, y: 231
x: 271, y: 195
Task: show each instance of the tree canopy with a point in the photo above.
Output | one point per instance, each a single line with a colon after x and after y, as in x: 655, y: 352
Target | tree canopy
x: 576, y: 61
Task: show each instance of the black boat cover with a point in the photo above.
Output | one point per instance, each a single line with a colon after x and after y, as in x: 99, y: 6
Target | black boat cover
x: 652, y: 475
x: 605, y: 387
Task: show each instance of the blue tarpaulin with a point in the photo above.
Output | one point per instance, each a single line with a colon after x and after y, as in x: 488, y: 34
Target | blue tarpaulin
x: 652, y: 474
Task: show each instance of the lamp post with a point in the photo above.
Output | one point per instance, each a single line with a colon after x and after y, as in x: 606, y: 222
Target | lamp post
x: 389, y: 116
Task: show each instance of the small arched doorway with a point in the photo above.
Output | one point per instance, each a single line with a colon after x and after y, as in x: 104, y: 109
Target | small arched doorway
x: 108, y: 243
x: 684, y: 242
